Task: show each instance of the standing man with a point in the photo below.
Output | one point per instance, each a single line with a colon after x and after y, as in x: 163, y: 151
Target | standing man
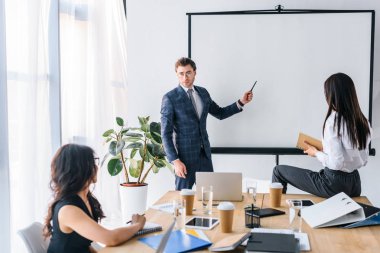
x: 184, y: 113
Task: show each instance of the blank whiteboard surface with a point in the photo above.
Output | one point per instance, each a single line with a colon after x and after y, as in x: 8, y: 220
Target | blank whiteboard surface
x: 290, y: 56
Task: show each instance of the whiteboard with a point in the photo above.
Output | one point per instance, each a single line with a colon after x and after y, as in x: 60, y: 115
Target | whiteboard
x: 290, y: 56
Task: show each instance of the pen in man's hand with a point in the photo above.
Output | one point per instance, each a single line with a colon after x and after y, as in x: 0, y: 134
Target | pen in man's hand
x: 131, y: 220
x: 253, y: 86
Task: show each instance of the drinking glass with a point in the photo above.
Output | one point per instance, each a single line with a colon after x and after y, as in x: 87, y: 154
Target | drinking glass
x: 251, y: 187
x: 295, y: 219
x: 207, y: 195
x: 179, y: 212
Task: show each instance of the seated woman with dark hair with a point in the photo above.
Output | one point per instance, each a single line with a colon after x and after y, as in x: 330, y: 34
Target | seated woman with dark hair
x: 346, y: 137
x: 73, y: 216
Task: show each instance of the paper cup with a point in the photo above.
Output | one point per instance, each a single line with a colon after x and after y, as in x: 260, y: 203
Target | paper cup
x: 226, y: 216
x: 188, y: 196
x: 275, y: 193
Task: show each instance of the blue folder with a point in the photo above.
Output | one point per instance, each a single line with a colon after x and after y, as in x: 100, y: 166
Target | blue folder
x: 179, y: 241
x: 372, y: 217
x: 370, y: 221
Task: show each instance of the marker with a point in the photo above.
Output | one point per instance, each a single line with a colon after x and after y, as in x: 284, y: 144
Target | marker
x: 253, y: 86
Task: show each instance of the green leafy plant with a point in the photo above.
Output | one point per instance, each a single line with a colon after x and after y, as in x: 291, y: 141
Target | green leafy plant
x: 136, y: 151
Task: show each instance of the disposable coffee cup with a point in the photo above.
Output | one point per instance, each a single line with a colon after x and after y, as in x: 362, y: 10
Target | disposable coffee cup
x: 188, y: 196
x: 275, y: 193
x: 226, y: 216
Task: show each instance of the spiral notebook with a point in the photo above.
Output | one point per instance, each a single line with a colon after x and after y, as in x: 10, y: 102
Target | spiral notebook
x: 149, y: 227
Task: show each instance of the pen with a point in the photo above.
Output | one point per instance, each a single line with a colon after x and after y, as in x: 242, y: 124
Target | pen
x: 253, y: 86
x: 262, y: 201
x: 131, y: 220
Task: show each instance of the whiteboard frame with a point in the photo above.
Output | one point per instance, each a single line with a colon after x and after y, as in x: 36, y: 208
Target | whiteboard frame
x: 280, y: 11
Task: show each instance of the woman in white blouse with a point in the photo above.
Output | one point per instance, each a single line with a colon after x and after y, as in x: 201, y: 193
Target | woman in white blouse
x: 346, y: 137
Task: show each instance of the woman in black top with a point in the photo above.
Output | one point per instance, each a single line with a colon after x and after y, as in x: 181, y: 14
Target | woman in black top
x: 73, y: 215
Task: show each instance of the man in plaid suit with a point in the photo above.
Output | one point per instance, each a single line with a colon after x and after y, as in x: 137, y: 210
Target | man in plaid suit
x: 184, y: 112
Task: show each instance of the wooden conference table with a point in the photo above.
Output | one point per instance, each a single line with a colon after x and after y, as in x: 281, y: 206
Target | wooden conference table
x: 364, y: 239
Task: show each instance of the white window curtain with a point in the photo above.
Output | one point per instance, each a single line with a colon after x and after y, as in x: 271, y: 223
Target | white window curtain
x: 4, y: 154
x: 93, y: 93
x: 93, y: 80
x: 28, y: 113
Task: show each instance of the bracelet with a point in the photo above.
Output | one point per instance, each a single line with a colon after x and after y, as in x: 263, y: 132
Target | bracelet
x: 240, y: 103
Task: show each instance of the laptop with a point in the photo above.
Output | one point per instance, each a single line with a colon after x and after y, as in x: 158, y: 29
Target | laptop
x: 165, y: 238
x: 227, y: 186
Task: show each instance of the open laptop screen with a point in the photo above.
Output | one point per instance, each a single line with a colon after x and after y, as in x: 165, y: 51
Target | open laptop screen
x: 227, y: 186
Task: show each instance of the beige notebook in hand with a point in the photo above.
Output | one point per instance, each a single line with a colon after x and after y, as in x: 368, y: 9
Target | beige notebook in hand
x: 302, y: 138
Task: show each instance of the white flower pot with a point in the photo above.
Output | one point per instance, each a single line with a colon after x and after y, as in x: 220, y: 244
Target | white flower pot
x: 133, y: 199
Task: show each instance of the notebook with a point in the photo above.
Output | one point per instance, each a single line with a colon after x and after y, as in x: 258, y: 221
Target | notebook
x: 179, y: 241
x: 302, y: 138
x: 223, y: 188
x: 268, y: 242
x: 149, y: 227
x: 230, y: 242
x: 265, y: 212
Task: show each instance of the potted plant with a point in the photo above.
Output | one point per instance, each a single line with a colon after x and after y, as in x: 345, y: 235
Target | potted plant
x: 136, y: 151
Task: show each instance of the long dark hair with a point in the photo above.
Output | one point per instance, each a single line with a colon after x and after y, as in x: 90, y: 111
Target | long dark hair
x: 341, y: 97
x: 72, y: 169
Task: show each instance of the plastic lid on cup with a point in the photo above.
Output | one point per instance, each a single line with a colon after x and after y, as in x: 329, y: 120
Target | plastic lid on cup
x: 226, y: 206
x: 276, y: 185
x: 187, y: 192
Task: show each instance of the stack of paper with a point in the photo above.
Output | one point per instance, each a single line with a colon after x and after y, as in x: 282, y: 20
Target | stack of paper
x: 303, y: 239
x: 165, y: 207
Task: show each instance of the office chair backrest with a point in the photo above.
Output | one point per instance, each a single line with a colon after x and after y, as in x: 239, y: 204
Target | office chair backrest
x: 33, y: 238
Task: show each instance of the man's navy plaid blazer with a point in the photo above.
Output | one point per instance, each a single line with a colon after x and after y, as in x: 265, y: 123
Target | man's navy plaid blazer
x: 183, y: 133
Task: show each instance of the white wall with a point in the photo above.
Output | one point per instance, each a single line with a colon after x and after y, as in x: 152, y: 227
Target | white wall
x: 290, y: 57
x: 157, y: 37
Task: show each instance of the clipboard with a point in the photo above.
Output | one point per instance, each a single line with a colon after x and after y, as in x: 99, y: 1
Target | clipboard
x: 337, y: 210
